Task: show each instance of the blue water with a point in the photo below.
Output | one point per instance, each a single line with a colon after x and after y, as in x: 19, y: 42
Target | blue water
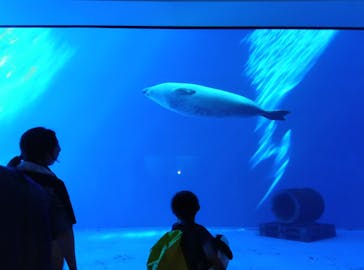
x: 124, y: 156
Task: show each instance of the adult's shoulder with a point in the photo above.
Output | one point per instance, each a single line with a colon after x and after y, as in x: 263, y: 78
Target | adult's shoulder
x: 45, y: 179
x: 7, y: 172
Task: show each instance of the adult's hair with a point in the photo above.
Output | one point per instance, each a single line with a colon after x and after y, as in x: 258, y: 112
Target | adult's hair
x: 185, y: 205
x: 35, y: 144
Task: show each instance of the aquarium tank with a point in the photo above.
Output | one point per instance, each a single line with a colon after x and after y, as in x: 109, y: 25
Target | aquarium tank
x: 123, y: 156
x: 138, y: 118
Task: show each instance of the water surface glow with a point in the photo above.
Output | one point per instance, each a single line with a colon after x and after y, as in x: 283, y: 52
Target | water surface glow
x: 278, y: 61
x: 29, y: 60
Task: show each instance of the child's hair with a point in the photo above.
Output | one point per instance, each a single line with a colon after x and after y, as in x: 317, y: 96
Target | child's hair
x: 185, y: 205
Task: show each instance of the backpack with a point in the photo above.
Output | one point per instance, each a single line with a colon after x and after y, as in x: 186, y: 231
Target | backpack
x: 166, y: 253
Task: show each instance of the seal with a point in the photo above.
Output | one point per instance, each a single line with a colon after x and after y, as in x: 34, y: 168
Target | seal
x: 197, y: 100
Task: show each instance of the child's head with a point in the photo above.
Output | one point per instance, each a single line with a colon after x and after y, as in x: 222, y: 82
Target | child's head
x: 185, y: 205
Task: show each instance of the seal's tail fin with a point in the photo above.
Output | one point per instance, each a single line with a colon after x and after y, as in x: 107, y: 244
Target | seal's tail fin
x: 275, y: 115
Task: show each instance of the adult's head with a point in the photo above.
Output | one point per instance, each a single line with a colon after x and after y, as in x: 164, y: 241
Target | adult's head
x: 185, y: 205
x: 39, y: 145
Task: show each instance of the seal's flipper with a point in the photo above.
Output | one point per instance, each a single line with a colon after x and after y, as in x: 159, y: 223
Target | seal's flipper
x: 275, y: 115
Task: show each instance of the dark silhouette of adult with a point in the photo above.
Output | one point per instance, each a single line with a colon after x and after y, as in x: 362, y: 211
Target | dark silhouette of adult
x: 25, y: 236
x: 199, y: 247
x: 39, y: 149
